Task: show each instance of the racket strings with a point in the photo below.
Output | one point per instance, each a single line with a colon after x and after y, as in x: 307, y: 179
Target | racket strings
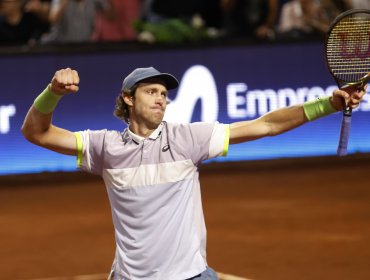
x: 348, y: 48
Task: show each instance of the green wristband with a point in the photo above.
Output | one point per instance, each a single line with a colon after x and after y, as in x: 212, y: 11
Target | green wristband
x: 46, y: 101
x: 318, y: 108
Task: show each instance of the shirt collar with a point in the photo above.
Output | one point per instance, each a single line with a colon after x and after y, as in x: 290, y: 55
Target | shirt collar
x: 137, y: 138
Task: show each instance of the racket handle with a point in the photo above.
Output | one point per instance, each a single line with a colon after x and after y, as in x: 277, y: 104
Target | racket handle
x: 344, y: 132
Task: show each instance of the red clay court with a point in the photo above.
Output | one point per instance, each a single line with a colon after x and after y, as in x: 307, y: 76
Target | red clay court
x: 292, y: 219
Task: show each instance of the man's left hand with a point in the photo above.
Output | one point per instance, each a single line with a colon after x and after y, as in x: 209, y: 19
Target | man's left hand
x: 347, y: 96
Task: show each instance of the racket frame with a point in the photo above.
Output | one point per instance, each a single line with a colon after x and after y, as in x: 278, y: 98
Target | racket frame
x: 347, y: 112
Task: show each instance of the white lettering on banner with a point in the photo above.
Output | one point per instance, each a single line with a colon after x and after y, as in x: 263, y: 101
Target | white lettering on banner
x: 266, y: 100
x: 258, y: 102
x: 198, y: 83
x: 234, y: 100
x: 5, y: 113
x: 255, y: 103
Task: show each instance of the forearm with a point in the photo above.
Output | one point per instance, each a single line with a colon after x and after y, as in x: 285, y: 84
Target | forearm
x: 36, y: 124
x: 38, y: 118
x: 279, y: 121
x: 38, y: 129
x: 284, y: 119
x: 270, y: 124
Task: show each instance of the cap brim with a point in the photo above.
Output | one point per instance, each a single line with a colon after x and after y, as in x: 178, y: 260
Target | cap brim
x: 170, y: 81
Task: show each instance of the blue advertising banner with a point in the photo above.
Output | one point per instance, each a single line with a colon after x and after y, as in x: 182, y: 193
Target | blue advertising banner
x: 225, y: 84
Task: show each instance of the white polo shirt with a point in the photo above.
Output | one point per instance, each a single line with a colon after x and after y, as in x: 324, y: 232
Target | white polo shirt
x: 154, y: 192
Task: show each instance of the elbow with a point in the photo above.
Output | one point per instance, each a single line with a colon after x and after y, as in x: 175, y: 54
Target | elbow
x: 30, y: 135
x: 27, y: 134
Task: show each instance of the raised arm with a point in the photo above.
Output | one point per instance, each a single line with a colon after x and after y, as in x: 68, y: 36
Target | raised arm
x: 285, y: 119
x: 38, y: 128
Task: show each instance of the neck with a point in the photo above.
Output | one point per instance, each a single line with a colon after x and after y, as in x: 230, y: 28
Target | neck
x: 141, y: 130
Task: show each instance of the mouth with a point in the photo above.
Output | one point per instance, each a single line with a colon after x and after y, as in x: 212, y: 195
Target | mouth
x: 158, y: 109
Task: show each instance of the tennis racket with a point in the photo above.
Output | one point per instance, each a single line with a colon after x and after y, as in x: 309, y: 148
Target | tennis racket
x: 347, y: 53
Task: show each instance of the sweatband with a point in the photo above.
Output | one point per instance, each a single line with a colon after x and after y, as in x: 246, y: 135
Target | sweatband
x: 226, y: 141
x: 46, y: 101
x: 79, y: 143
x: 318, y: 108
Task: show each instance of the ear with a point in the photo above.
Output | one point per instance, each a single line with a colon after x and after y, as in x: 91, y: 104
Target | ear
x: 128, y: 99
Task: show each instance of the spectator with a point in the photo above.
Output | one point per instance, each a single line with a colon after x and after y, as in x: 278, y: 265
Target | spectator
x: 73, y: 20
x: 309, y: 17
x: 329, y: 10
x: 118, y: 27
x: 300, y: 18
x: 183, y: 21
x: 40, y: 8
x: 18, y: 26
x: 209, y: 10
x: 250, y: 18
x: 342, y: 5
x: 359, y: 4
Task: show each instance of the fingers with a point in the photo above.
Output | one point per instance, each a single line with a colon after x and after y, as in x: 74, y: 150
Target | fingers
x: 72, y: 88
x: 340, y: 99
x: 348, y: 96
x: 67, y: 77
x: 356, y: 97
x: 65, y: 81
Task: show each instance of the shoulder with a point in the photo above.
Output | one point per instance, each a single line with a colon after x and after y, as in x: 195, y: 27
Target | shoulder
x: 190, y: 125
x: 103, y: 133
x: 191, y: 129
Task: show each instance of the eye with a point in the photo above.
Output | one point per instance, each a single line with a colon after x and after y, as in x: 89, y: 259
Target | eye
x: 150, y: 91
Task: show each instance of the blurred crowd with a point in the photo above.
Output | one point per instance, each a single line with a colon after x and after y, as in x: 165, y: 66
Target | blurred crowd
x: 73, y: 21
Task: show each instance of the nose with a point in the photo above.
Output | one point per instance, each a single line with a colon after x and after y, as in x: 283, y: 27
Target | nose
x: 160, y: 99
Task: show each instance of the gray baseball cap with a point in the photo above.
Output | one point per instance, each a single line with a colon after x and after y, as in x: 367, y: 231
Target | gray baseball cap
x: 140, y: 74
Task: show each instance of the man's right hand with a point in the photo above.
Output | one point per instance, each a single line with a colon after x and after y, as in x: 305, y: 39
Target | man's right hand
x: 65, y: 81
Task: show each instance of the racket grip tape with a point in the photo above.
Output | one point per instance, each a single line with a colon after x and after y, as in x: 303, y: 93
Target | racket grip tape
x: 344, y: 135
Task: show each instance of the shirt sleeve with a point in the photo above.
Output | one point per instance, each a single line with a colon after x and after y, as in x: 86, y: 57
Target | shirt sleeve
x: 90, y: 145
x: 207, y: 140
x: 219, y: 144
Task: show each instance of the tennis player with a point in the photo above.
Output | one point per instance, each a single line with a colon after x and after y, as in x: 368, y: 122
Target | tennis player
x: 150, y: 168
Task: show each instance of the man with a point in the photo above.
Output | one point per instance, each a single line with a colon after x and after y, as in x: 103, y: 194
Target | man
x: 150, y: 169
x: 73, y: 21
x: 18, y: 26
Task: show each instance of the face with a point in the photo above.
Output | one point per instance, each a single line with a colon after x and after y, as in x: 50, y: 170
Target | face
x: 149, y: 103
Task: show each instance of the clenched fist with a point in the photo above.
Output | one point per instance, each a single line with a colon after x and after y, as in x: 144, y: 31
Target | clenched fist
x: 65, y: 81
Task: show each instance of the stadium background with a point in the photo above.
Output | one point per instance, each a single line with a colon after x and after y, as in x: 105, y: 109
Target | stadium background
x: 274, y: 208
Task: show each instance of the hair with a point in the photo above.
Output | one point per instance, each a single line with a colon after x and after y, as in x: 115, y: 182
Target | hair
x: 121, y: 109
